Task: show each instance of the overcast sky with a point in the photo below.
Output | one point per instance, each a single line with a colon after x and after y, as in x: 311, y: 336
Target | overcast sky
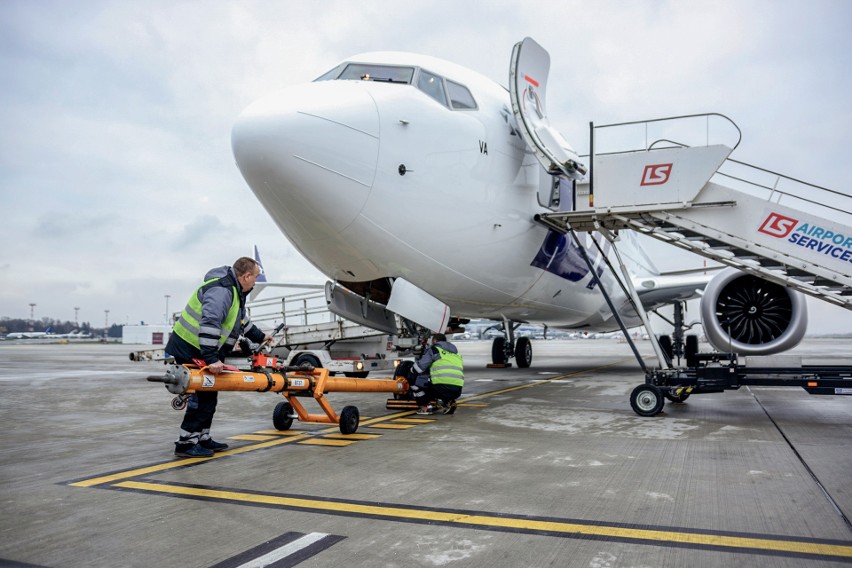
x: 117, y: 181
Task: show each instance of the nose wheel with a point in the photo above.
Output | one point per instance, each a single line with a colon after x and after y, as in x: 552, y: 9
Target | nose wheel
x: 506, y: 347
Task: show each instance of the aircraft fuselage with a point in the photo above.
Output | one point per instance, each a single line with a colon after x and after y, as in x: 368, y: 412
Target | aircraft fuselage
x: 371, y: 179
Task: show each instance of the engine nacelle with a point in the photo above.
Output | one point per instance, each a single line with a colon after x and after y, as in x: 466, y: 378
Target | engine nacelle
x: 751, y: 316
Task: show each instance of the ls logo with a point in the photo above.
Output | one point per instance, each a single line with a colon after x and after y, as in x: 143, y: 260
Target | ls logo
x: 777, y: 225
x: 656, y: 174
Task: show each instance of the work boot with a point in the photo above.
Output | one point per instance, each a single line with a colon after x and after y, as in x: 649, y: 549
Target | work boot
x: 450, y: 408
x: 211, y: 444
x: 428, y: 409
x: 192, y: 451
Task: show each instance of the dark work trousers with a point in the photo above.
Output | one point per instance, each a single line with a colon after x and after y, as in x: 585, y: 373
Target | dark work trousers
x: 424, y: 391
x: 200, y: 408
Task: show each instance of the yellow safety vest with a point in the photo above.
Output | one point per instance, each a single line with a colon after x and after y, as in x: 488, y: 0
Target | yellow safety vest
x: 187, y: 325
x: 448, y: 370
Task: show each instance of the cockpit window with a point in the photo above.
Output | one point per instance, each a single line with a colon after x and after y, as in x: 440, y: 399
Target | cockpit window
x: 460, y: 97
x: 386, y: 73
x: 330, y: 75
x: 432, y: 85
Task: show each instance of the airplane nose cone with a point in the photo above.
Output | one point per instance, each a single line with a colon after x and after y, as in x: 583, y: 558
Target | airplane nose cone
x: 309, y: 154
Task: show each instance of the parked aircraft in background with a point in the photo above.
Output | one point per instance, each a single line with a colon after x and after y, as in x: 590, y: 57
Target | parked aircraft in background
x: 413, y: 183
x: 47, y: 334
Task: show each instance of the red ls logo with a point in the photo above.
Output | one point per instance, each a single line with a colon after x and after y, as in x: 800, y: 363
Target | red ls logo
x: 777, y: 225
x: 656, y: 174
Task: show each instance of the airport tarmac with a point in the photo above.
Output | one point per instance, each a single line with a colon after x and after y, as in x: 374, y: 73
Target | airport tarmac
x: 546, y: 466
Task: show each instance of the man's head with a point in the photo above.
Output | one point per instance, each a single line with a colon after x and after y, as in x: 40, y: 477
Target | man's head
x: 438, y: 337
x: 247, y: 270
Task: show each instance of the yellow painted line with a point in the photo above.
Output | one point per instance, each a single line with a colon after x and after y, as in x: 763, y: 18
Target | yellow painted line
x: 403, y: 414
x: 181, y: 462
x: 392, y: 426
x: 352, y: 436
x: 509, y: 523
x: 413, y: 420
x: 253, y: 437
x: 281, y: 432
x: 476, y: 404
x: 325, y: 442
x: 537, y: 383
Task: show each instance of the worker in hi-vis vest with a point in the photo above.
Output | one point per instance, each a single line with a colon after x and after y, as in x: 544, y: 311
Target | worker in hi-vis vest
x: 438, y: 376
x: 208, y: 329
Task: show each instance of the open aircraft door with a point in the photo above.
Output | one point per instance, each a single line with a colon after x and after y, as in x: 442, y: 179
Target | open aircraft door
x: 528, y: 73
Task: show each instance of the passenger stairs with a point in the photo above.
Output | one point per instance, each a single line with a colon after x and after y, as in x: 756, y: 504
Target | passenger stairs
x: 697, y: 198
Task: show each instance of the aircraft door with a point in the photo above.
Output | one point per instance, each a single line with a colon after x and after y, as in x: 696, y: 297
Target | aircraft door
x: 556, y: 192
x: 528, y: 72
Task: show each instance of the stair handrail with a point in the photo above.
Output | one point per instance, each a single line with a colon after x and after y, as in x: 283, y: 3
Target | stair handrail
x: 775, y: 190
x: 846, y: 199
x: 646, y: 122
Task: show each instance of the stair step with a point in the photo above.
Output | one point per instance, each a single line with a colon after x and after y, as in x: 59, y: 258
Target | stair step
x: 797, y: 272
x: 830, y: 284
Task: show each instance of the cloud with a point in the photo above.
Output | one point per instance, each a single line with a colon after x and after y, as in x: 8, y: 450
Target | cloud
x: 117, y: 181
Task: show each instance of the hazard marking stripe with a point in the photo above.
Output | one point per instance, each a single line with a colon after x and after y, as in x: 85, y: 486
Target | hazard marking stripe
x: 353, y: 436
x: 281, y: 432
x: 566, y: 528
x: 253, y: 437
x: 288, y: 549
x: 324, y: 442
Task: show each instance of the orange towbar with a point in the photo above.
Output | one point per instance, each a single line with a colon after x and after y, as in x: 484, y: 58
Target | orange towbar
x: 292, y: 382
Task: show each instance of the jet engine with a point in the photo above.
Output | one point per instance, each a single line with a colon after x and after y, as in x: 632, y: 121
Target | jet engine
x: 751, y: 316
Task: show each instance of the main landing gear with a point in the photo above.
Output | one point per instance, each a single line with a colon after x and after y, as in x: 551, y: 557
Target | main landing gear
x: 505, y: 347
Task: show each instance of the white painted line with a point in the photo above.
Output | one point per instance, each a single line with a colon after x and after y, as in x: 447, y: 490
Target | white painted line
x: 284, y: 551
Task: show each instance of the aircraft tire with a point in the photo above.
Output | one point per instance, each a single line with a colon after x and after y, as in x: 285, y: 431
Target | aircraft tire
x: 523, y: 352
x: 647, y: 400
x: 349, y: 418
x: 691, y: 351
x: 498, y: 351
x: 667, y: 347
x: 403, y: 370
x: 282, y: 416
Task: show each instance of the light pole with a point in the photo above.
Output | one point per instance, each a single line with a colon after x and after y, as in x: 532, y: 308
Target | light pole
x: 76, y: 319
x: 106, y: 323
x: 167, y: 296
x: 32, y: 311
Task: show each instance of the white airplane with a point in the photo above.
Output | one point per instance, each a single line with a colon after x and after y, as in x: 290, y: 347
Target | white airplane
x: 48, y: 334
x: 413, y: 183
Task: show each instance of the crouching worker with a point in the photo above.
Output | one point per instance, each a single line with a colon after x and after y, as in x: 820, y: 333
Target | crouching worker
x: 438, y: 377
x: 208, y: 329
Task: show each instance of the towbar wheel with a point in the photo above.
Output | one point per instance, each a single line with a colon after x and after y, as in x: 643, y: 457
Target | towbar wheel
x: 282, y: 416
x: 349, y: 418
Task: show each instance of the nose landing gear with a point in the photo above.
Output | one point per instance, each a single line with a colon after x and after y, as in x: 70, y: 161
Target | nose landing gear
x: 505, y: 347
